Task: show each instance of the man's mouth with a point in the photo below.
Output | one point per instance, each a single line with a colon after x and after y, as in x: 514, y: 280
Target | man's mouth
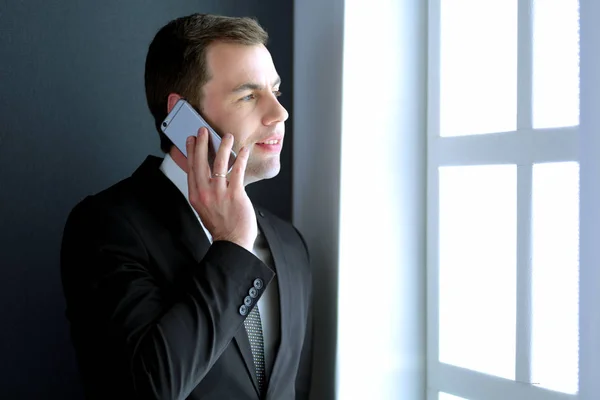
x: 271, y: 142
x: 270, y: 145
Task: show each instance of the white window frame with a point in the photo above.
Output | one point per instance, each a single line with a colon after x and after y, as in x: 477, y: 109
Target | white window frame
x: 524, y: 147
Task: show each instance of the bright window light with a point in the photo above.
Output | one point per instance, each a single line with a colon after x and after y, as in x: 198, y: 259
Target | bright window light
x: 555, y: 63
x: 477, y: 258
x: 555, y: 292
x: 478, y: 70
x: 446, y: 396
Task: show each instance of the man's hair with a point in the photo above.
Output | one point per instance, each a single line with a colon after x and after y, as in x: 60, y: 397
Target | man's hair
x: 176, y: 60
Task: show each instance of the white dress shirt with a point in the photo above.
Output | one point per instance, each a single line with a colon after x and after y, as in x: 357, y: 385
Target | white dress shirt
x: 268, y: 303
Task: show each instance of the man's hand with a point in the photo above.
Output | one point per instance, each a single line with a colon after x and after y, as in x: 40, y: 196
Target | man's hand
x: 223, y: 205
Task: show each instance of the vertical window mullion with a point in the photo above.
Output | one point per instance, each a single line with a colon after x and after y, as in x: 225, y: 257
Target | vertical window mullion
x: 525, y: 66
x: 524, y: 274
x: 524, y: 189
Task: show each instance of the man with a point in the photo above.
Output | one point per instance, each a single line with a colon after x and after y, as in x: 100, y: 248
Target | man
x: 176, y: 286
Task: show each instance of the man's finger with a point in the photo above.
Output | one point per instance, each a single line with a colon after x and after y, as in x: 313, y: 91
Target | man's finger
x: 200, y: 160
x: 236, y: 180
x: 191, y: 175
x: 190, y: 146
x: 221, y: 165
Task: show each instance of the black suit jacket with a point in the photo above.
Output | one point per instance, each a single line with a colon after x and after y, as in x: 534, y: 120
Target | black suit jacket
x: 154, y: 309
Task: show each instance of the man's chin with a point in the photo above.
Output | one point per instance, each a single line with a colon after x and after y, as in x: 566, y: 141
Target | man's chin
x: 266, y: 172
x: 270, y: 173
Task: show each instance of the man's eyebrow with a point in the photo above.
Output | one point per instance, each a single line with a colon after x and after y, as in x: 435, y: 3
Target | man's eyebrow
x: 254, y: 86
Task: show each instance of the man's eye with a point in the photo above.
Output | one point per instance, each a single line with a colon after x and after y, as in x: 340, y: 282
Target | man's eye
x: 277, y: 93
x: 248, y: 98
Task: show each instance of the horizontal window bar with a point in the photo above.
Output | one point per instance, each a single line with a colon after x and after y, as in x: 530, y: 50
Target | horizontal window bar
x: 476, y: 386
x: 517, y: 147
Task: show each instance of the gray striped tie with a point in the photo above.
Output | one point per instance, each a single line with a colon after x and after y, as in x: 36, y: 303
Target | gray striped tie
x: 255, y: 334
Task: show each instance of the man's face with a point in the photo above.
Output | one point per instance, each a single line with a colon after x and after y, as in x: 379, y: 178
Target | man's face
x: 241, y: 98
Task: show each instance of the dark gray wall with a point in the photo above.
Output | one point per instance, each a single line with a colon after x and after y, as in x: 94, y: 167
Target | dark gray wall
x: 73, y: 120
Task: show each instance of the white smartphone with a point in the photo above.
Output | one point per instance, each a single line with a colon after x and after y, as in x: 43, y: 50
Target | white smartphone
x: 184, y: 121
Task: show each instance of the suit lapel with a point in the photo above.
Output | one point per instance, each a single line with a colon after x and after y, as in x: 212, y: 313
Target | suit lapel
x: 171, y: 207
x: 243, y: 344
x: 241, y: 337
x: 282, y: 275
x: 283, y: 272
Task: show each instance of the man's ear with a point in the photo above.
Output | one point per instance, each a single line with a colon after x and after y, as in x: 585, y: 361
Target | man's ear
x: 171, y: 101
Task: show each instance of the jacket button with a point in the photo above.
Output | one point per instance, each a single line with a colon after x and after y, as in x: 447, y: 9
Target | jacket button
x: 243, y: 310
x: 262, y: 214
x: 247, y: 301
x: 253, y: 292
x: 258, y: 283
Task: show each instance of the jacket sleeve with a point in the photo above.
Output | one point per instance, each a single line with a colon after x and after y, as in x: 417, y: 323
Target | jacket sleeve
x: 170, y: 342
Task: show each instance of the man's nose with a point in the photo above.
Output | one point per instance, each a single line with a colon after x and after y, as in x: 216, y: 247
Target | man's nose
x: 277, y: 113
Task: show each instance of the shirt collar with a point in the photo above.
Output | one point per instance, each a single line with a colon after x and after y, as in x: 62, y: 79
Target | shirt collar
x: 175, y: 174
x: 179, y: 178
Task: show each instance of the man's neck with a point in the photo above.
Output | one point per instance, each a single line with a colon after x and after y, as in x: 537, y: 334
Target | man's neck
x: 179, y: 159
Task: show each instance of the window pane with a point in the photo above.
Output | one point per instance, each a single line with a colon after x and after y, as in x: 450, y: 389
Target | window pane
x: 555, y: 329
x: 478, y: 66
x: 556, y: 63
x: 477, y: 261
x: 446, y: 396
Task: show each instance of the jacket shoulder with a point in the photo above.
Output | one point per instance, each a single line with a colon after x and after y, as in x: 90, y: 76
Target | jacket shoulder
x: 121, y: 195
